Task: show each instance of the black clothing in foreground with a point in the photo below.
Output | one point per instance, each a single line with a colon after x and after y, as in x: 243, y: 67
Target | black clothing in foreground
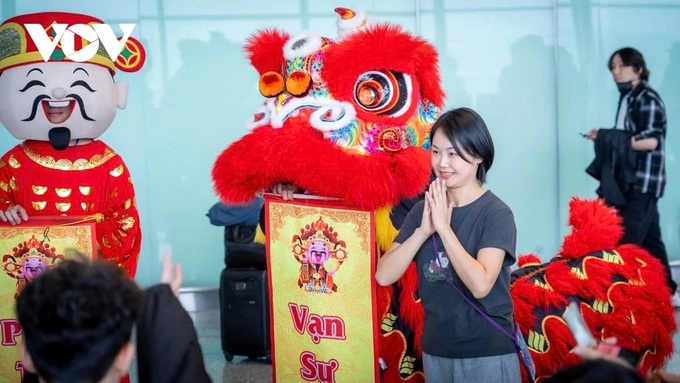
x: 167, y: 344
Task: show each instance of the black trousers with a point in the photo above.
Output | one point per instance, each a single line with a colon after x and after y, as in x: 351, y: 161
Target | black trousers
x: 641, y: 227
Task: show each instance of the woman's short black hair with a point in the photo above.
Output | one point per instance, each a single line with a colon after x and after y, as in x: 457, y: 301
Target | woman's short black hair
x: 633, y: 58
x: 468, y: 135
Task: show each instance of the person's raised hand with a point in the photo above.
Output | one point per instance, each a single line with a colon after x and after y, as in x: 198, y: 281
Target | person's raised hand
x: 592, y: 134
x: 666, y: 377
x: 171, y: 274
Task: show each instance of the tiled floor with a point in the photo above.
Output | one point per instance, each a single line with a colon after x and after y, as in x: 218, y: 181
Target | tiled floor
x: 241, y: 370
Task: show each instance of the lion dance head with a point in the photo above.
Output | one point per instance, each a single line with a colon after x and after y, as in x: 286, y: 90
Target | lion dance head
x: 619, y: 290
x: 346, y: 118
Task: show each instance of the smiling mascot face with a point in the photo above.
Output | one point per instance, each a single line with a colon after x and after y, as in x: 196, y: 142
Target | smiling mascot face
x: 59, y: 102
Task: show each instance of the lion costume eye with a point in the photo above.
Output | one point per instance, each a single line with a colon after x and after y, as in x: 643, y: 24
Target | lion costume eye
x: 298, y: 83
x: 383, y: 92
x: 271, y: 84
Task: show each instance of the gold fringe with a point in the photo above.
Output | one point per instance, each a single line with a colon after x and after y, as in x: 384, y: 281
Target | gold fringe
x: 384, y: 231
x: 259, y: 236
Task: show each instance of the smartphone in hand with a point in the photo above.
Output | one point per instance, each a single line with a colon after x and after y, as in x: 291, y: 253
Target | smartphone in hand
x: 572, y: 315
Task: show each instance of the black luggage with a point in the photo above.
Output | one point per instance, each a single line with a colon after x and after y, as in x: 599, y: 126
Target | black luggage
x: 240, y: 250
x: 244, y: 313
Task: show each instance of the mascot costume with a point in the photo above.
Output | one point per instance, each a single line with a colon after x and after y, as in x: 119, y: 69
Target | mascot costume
x: 59, y: 107
x: 347, y: 118
x: 59, y: 101
x: 620, y: 291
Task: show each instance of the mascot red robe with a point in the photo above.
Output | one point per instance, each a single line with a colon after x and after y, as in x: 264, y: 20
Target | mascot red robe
x: 349, y: 119
x: 620, y: 291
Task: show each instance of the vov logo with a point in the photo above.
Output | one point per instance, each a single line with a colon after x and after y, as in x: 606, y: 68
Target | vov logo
x: 94, y: 33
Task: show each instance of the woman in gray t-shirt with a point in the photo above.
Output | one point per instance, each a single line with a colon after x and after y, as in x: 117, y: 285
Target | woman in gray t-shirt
x: 460, y: 234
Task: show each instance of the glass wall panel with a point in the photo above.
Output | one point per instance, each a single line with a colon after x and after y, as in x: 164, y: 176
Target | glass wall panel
x: 500, y: 61
x: 534, y: 69
x: 589, y: 31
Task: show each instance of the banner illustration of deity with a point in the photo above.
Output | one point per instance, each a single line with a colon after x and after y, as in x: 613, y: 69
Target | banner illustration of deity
x: 27, y: 250
x: 321, y: 260
x: 320, y: 254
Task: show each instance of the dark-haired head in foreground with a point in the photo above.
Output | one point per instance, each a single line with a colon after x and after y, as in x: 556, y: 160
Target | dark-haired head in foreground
x: 596, y: 371
x: 77, y: 319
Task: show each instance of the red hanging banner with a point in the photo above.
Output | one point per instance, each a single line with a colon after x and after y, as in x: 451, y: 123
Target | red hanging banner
x: 321, y: 262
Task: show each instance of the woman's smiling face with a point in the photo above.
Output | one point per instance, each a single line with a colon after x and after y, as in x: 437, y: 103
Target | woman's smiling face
x: 450, y: 165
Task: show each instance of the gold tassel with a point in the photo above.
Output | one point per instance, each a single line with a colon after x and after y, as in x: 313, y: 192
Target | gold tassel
x: 385, y: 233
x: 99, y: 217
x: 259, y: 236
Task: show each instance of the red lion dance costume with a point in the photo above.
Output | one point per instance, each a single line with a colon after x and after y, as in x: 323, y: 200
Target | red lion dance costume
x: 350, y: 119
x: 620, y: 291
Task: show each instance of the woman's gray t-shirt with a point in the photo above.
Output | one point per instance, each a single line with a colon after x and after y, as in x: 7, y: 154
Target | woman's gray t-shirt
x: 452, y: 328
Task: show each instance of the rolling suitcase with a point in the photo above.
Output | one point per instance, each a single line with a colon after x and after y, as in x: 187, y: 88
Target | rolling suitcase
x: 244, y: 313
x: 240, y: 250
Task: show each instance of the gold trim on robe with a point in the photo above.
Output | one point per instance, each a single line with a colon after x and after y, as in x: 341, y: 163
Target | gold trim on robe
x: 64, y: 164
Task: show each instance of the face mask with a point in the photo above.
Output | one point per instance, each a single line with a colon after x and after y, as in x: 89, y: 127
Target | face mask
x: 624, y: 87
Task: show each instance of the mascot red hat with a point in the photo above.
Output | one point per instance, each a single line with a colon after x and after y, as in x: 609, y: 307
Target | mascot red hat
x: 18, y: 48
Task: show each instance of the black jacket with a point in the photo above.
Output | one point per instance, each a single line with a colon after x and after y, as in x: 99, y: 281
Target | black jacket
x: 167, y: 343
x: 614, y: 165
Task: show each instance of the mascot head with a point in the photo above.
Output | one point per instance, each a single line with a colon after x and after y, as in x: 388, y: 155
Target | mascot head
x: 68, y: 96
x: 346, y: 118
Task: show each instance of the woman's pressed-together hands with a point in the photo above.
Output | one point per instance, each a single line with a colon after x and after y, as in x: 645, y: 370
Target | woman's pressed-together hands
x: 437, y: 210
